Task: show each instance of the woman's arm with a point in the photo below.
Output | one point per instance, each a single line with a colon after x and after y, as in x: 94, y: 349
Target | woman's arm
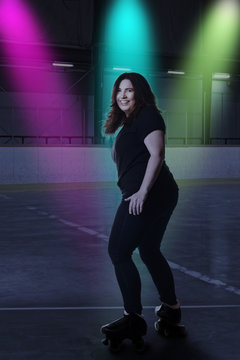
x: 156, y: 146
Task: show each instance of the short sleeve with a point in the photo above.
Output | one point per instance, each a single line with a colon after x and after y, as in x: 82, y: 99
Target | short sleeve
x: 148, y: 120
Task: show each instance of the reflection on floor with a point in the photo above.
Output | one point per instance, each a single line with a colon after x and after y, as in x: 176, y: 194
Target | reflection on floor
x: 58, y: 286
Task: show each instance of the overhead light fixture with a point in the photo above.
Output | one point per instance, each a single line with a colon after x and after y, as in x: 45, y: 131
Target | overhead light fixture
x: 221, y: 76
x: 62, y: 64
x: 176, y: 72
x: 121, y: 69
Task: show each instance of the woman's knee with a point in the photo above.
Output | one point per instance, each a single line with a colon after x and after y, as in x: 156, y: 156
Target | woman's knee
x: 148, y: 254
x: 118, y: 255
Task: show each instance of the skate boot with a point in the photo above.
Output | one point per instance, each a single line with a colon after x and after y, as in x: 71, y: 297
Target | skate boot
x: 131, y: 326
x: 169, y: 321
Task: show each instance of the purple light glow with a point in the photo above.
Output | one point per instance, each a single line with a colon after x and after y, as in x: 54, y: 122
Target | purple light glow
x: 18, y: 22
x: 40, y: 90
x: 31, y: 72
x: 19, y: 27
x: 40, y: 87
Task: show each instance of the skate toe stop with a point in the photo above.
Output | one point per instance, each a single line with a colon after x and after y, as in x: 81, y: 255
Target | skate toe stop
x: 105, y: 342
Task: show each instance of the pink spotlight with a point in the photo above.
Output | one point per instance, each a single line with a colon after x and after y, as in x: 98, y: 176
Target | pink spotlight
x: 31, y: 61
x: 18, y: 22
x: 32, y: 75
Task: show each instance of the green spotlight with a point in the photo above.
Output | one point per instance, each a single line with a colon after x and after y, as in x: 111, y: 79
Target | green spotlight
x: 206, y: 53
x: 221, y: 29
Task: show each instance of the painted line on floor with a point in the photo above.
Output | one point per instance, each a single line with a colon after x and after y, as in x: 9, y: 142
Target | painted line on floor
x: 184, y: 270
x: 205, y: 278
x: 69, y: 223
x: 5, y: 197
x: 83, y: 308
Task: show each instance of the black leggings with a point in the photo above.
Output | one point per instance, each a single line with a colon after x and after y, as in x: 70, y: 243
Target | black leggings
x: 145, y: 232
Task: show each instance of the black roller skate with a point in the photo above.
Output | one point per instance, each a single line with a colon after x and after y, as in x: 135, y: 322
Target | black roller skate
x: 169, y: 322
x: 131, y: 327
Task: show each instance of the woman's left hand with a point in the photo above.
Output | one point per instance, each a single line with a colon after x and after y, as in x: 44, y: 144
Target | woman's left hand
x: 136, y: 202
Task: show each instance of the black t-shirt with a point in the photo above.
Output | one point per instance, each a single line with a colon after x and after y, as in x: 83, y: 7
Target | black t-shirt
x: 131, y: 154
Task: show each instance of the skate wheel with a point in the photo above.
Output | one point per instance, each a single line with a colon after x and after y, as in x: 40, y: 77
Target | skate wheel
x: 115, y: 346
x: 162, y: 329
x: 156, y: 325
x: 139, y: 345
x: 183, y: 331
x: 105, y: 342
x: 166, y: 332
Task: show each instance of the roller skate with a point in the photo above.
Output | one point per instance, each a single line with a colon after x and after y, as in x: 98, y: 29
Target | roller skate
x: 131, y: 327
x: 169, y: 322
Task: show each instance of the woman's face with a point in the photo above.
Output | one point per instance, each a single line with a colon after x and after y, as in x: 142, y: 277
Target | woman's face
x: 125, y: 96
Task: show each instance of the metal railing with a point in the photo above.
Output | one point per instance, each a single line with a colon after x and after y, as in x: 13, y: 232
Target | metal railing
x: 91, y: 140
x: 172, y: 137
x: 226, y: 140
x: 46, y: 140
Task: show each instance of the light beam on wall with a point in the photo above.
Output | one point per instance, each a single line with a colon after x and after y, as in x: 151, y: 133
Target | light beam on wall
x: 128, y: 37
x: 220, y: 31
x: 127, y: 45
x: 205, y: 54
x: 37, y: 87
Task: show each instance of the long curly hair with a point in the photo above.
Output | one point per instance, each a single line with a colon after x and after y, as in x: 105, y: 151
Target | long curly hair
x: 143, y: 97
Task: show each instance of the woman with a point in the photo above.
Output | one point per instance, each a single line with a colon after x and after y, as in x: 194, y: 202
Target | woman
x: 149, y: 196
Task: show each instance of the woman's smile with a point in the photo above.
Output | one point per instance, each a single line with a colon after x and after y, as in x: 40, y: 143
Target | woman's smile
x: 125, y: 96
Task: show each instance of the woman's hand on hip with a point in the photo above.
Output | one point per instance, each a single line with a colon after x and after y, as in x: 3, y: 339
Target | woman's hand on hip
x: 136, y: 202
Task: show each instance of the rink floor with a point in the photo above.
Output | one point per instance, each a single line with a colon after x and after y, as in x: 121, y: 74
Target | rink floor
x: 57, y: 284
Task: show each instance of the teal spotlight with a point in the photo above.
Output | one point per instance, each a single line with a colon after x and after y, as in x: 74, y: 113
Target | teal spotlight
x: 128, y: 37
x: 126, y: 43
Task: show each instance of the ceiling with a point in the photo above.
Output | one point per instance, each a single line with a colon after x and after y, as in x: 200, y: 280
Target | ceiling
x: 73, y: 30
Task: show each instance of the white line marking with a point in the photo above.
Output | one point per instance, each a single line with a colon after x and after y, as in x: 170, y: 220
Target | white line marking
x: 233, y: 289
x: 53, y: 217
x: 104, y: 237
x: 87, y: 230
x: 66, y: 308
x: 31, y: 208
x: 192, y: 273
x: 41, y: 212
x: 204, y: 278
x: 68, y: 223
x: 209, y: 306
x: 5, y: 197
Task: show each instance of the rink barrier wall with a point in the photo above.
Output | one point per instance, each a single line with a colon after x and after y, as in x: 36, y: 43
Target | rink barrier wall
x: 53, y: 164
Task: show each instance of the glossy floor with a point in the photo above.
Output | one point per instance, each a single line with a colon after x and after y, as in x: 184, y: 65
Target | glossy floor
x: 58, y: 286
